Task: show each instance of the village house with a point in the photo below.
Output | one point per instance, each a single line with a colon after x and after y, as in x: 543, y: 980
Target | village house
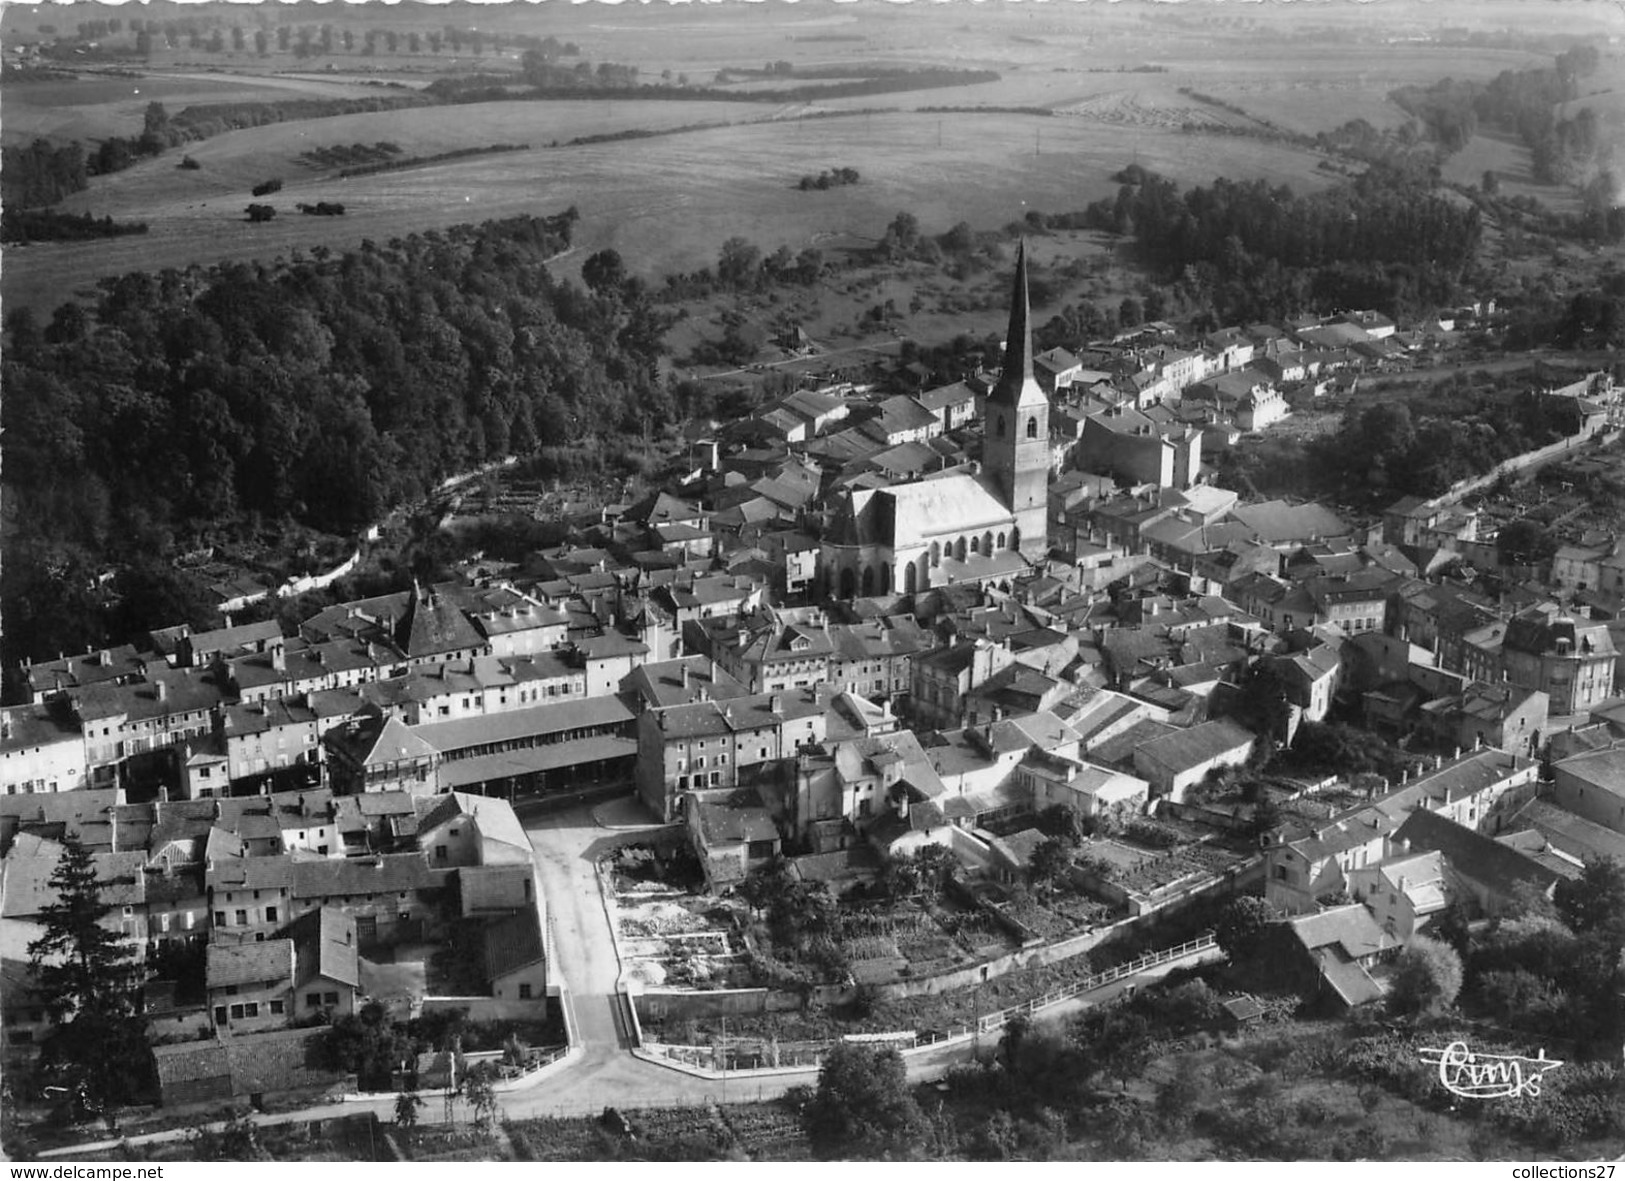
x: 250, y: 985
x: 713, y: 745
x: 1405, y: 893
x: 1176, y: 762
x: 1335, y: 952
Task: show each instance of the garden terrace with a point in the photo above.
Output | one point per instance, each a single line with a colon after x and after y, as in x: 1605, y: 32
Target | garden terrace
x: 760, y: 1131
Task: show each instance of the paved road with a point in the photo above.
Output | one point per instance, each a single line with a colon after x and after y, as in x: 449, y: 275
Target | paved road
x: 604, y: 1072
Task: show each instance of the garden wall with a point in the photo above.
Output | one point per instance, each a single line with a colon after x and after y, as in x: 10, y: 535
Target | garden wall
x: 730, y: 1002
x: 485, y: 1008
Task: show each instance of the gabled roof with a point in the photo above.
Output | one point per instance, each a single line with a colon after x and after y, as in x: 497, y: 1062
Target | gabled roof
x: 230, y: 964
x: 1350, y: 929
x: 325, y: 946
x: 334, y: 877
x: 1190, y: 748
x: 376, y: 741
x: 513, y: 942
x: 1473, y: 855
x: 489, y: 888
x: 493, y: 817
x: 1277, y: 521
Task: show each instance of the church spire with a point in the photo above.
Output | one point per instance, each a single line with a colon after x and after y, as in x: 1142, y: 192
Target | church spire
x: 1018, y: 342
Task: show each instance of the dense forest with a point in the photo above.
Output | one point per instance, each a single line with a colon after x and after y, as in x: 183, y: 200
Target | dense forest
x: 188, y: 404
x: 1252, y: 251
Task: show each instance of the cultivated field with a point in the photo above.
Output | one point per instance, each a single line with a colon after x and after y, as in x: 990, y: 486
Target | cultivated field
x: 666, y: 203
x: 726, y: 169
x: 94, y: 106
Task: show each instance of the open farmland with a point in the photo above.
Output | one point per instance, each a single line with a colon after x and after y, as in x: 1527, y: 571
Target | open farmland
x: 93, y: 106
x: 666, y: 203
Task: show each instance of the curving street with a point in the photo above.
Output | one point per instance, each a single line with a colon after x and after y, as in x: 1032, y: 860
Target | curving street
x: 603, y: 1072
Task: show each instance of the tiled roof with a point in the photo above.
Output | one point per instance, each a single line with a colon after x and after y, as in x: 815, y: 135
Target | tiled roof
x: 553, y: 718
x: 192, y: 1062
x: 282, y: 1060
x: 494, y: 887
x: 385, y: 873
x: 1190, y: 748
x: 494, y: 818
x: 1349, y: 928
x: 727, y: 824
x: 250, y: 963
x: 513, y: 942
x: 325, y: 945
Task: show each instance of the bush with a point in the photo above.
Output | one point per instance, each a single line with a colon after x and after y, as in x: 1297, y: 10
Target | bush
x: 1427, y: 977
x: 188, y: 163
x: 265, y: 187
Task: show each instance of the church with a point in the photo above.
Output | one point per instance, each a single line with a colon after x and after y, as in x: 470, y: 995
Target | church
x: 974, y: 526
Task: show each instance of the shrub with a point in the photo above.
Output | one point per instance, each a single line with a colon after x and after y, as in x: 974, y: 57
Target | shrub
x: 266, y: 187
x: 1427, y: 977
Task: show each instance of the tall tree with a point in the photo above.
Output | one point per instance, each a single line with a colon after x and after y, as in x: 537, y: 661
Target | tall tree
x: 88, y: 981
x: 862, y: 1109
x: 1594, y: 902
x: 81, y: 966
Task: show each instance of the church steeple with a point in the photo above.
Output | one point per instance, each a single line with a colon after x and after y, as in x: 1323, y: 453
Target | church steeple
x: 1018, y: 341
x: 1015, y: 442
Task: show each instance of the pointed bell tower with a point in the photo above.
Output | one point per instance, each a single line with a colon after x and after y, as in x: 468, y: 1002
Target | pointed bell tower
x: 1015, y: 447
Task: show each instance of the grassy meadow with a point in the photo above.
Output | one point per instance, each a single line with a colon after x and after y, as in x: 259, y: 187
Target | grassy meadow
x: 666, y: 203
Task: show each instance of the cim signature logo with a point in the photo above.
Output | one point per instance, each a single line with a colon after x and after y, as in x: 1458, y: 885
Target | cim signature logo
x: 1488, y: 1076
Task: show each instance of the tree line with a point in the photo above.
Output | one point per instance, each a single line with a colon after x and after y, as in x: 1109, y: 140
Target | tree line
x: 1256, y: 251
x: 49, y: 225
x: 1520, y: 101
